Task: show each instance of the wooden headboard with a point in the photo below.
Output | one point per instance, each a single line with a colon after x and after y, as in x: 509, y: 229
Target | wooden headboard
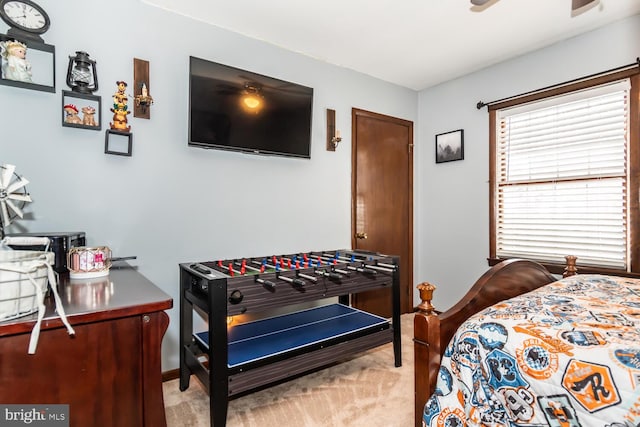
x: 432, y: 331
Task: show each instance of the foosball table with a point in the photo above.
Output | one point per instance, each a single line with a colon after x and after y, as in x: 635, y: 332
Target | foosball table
x: 231, y: 358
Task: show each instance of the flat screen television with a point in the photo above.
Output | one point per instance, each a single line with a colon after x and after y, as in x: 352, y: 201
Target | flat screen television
x: 235, y: 109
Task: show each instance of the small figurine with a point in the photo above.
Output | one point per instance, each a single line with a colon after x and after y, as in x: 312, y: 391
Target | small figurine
x: 71, y: 114
x: 120, y: 108
x: 120, y: 97
x: 88, y: 116
x: 14, y: 63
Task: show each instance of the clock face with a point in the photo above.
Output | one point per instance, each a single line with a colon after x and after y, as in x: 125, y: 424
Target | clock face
x: 24, y: 15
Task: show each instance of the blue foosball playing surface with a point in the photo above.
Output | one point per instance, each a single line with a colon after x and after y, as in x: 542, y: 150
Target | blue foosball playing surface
x: 253, y: 341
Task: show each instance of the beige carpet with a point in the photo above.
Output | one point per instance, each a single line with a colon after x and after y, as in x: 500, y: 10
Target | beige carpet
x: 367, y: 390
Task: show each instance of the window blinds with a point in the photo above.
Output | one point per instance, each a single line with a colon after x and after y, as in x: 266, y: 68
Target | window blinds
x: 562, y: 178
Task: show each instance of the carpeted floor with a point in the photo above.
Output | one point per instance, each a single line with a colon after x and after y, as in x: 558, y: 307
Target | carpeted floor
x: 367, y: 390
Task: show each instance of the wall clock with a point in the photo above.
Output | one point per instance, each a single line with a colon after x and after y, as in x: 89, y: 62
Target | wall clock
x: 26, y: 19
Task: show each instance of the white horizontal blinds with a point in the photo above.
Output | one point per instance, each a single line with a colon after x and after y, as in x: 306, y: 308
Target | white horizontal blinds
x: 562, y: 178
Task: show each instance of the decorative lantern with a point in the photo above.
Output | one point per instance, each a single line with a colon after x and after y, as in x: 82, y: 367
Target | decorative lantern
x: 81, y: 74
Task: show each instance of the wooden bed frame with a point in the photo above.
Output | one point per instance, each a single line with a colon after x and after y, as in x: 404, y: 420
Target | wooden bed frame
x: 432, y: 330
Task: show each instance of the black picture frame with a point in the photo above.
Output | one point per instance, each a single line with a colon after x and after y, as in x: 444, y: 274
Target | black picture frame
x: 450, y: 146
x: 82, y: 100
x: 42, y: 58
x: 118, y: 143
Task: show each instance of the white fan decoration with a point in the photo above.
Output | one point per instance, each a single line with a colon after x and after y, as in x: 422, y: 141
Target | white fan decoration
x: 13, y: 195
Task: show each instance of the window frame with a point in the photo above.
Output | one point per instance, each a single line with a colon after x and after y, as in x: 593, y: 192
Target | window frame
x: 633, y: 195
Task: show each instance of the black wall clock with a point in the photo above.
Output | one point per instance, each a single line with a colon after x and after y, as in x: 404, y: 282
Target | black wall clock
x: 26, y: 19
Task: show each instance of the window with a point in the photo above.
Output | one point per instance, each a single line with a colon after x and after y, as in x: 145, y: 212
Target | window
x: 563, y: 172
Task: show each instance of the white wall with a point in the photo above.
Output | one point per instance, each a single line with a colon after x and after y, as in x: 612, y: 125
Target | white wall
x: 169, y: 203
x: 452, y: 199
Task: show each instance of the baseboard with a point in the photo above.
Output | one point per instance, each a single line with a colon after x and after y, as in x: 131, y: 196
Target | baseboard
x: 175, y: 373
x: 170, y: 375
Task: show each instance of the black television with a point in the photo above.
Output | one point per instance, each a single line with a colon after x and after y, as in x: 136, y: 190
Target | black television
x: 235, y: 109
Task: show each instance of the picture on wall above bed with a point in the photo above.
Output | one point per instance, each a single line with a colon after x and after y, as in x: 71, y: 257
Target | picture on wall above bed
x: 239, y: 110
x: 450, y: 146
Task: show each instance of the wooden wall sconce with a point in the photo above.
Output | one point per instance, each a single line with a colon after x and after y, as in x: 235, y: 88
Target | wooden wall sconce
x: 333, y: 135
x: 141, y: 89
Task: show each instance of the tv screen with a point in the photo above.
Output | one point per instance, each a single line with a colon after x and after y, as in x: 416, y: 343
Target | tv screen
x: 234, y: 109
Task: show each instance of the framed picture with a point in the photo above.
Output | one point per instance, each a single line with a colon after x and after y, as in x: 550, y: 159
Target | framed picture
x: 450, y: 146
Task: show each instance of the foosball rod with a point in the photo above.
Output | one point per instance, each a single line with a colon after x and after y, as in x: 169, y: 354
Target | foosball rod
x: 339, y: 257
x: 335, y: 277
x: 291, y: 261
x: 323, y: 257
x: 247, y: 266
x: 306, y: 276
x: 382, y: 264
x: 353, y: 258
x: 364, y: 269
x: 257, y: 270
x: 348, y: 260
x: 333, y: 266
x: 390, y: 268
x: 330, y: 274
x: 265, y: 264
x: 310, y: 264
x: 267, y: 283
x: 296, y: 281
x: 228, y: 268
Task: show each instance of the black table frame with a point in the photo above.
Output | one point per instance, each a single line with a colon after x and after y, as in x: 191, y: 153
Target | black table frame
x: 210, y: 290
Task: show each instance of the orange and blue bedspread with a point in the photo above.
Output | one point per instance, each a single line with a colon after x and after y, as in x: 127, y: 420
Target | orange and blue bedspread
x: 566, y: 354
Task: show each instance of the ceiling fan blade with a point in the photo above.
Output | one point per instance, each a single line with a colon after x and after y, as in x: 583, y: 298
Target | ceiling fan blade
x: 479, y: 2
x: 16, y: 185
x: 577, y: 4
x: 7, y: 173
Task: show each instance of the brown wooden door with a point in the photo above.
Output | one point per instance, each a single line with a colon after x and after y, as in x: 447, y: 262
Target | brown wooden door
x: 382, y: 205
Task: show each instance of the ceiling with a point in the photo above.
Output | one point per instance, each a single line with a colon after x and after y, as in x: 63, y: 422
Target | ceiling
x: 413, y: 43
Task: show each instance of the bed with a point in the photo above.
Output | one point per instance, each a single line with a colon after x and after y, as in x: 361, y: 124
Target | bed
x: 525, y: 348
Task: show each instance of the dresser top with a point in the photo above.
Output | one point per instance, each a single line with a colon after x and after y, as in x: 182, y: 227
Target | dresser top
x: 124, y: 292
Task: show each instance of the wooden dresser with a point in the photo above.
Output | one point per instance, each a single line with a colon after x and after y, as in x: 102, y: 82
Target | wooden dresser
x: 110, y: 372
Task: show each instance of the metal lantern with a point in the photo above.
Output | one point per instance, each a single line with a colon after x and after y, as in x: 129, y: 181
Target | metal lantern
x: 81, y: 74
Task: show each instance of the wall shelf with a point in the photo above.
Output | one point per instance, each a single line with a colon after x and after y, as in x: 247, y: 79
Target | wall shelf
x: 82, y: 100
x: 42, y: 58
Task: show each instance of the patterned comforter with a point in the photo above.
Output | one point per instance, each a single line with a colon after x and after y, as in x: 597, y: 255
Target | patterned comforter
x: 567, y: 354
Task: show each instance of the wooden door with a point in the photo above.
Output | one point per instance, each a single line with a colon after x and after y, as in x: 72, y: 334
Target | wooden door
x: 382, y: 200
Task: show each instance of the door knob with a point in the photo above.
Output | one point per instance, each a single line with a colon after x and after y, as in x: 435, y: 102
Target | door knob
x: 361, y: 235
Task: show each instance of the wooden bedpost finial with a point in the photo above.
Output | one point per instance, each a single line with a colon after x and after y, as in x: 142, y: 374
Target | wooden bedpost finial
x: 570, y: 269
x: 426, y: 295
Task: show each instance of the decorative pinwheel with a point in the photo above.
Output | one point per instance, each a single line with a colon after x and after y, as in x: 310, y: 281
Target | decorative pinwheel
x: 13, y: 196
